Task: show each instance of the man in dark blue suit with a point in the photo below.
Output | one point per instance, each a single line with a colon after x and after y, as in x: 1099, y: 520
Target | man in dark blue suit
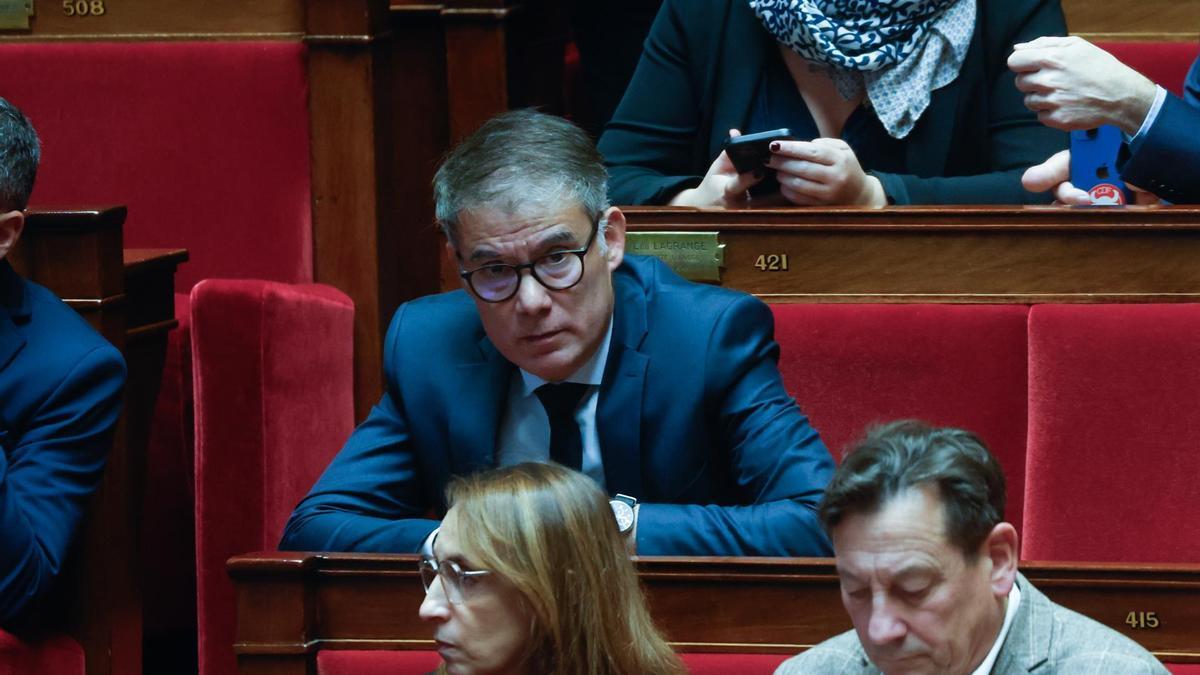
x: 561, y: 347
x: 1073, y: 84
x: 60, y: 394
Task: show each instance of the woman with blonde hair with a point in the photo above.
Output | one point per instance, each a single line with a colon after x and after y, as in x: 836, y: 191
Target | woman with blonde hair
x: 530, y: 575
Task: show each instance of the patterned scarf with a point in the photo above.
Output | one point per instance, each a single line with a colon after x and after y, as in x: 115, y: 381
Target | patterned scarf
x: 900, y: 51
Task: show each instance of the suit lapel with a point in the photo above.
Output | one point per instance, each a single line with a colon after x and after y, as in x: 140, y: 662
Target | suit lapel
x: 619, y: 410
x: 480, y: 398
x: 738, y: 71
x: 928, y: 146
x: 14, y: 303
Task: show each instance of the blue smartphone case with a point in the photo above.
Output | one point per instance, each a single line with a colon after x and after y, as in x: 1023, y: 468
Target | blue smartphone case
x: 1094, y: 165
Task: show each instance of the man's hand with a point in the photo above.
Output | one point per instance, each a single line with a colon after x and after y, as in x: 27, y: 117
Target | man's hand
x: 1055, y: 174
x: 823, y: 172
x: 722, y: 185
x: 1072, y: 84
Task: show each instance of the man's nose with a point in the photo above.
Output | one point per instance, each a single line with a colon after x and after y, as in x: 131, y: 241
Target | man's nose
x: 435, y: 607
x: 532, y: 296
x: 885, y: 624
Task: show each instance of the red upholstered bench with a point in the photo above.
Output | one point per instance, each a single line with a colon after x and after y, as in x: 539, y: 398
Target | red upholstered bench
x: 962, y: 365
x: 208, y: 145
x: 57, y: 655
x: 1112, y: 460
x: 1165, y: 63
x: 274, y: 402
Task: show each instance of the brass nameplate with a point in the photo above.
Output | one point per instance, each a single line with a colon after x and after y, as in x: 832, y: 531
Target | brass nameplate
x: 14, y: 14
x: 693, y: 255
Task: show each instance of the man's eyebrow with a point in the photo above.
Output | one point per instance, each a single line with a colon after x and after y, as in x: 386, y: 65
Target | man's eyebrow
x: 561, y: 234
x: 917, y: 569
x: 846, y: 575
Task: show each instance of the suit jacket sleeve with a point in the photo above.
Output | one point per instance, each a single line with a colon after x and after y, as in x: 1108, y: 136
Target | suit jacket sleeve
x: 1167, y: 161
x: 48, y: 470
x: 778, y: 464
x: 371, y: 498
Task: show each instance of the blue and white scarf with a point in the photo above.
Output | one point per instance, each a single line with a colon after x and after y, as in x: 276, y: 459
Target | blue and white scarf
x: 900, y: 51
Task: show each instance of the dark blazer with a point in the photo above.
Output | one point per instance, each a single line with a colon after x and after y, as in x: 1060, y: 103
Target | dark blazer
x: 700, y: 70
x: 693, y: 420
x: 1043, y: 638
x: 60, y: 394
x: 1167, y: 161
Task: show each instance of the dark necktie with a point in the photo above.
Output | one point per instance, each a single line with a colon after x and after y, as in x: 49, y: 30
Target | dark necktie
x: 560, y: 402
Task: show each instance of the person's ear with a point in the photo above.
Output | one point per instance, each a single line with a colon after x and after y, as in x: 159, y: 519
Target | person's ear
x: 1000, y: 547
x: 11, y: 225
x: 452, y: 261
x: 614, y: 236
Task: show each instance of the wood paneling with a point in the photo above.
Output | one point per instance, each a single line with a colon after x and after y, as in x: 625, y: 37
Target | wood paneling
x: 291, y: 605
x: 350, y: 168
x: 953, y: 254
x: 1143, y: 20
x: 128, y: 299
x: 165, y: 19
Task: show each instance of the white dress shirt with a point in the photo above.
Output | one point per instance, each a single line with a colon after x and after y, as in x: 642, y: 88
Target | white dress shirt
x: 1014, y: 599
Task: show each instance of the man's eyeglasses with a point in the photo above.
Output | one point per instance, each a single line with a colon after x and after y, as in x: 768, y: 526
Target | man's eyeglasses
x: 456, y: 582
x: 557, y: 271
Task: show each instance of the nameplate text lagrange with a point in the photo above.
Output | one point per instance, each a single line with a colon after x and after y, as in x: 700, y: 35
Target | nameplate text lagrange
x: 698, y: 256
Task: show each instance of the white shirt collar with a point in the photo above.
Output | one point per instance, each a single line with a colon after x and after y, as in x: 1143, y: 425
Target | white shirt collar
x: 1010, y: 612
x: 591, y: 372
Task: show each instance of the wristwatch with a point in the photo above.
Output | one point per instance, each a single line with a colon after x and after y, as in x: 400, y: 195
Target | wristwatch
x: 623, y: 510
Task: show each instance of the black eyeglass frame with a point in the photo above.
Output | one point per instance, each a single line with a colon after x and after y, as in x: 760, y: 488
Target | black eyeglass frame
x: 428, y: 562
x: 532, y: 267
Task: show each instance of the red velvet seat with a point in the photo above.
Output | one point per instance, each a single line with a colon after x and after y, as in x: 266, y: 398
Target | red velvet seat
x: 376, y: 662
x: 57, y: 655
x: 207, y: 144
x: 274, y: 402
x: 961, y: 365
x: 1165, y: 63
x: 1112, y: 464
x: 727, y: 664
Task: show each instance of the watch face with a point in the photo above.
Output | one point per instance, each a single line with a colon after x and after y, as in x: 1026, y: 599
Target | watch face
x: 624, y: 515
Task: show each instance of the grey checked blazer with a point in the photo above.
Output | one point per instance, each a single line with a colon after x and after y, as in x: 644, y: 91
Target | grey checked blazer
x: 1044, y: 638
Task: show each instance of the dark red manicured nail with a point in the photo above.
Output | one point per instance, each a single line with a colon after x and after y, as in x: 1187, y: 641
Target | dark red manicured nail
x: 775, y: 146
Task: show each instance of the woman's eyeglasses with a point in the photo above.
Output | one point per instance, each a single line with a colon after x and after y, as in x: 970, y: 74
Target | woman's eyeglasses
x: 456, y: 582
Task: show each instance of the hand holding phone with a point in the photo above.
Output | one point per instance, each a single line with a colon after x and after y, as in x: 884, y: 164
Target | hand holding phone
x: 751, y: 151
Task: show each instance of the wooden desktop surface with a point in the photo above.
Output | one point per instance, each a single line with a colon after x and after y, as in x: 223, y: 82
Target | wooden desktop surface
x: 981, y: 254
x: 128, y: 297
x: 291, y: 605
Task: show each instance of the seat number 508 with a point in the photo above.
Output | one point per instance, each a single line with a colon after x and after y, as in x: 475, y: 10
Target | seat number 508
x: 84, y: 7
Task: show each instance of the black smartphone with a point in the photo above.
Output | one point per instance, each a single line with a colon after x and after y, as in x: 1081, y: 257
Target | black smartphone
x: 751, y: 151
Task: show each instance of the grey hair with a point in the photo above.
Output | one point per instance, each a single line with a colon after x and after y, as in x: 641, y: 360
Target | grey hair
x: 20, y: 153
x: 519, y: 161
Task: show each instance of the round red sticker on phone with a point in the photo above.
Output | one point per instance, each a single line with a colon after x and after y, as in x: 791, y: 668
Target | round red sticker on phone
x: 1107, y: 194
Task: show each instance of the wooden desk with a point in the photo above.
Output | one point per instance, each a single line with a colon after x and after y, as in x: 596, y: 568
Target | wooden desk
x: 290, y: 605
x: 127, y: 296
x: 951, y: 254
